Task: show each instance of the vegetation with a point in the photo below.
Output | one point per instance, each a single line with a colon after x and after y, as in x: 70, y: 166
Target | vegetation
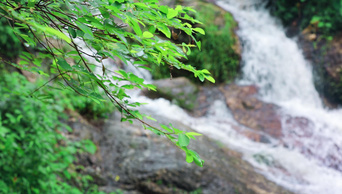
x: 217, y: 54
x: 35, y: 157
x: 324, y: 17
x: 10, y: 45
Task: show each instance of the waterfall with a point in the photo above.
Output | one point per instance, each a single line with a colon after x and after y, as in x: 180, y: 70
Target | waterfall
x: 274, y: 63
x: 270, y: 60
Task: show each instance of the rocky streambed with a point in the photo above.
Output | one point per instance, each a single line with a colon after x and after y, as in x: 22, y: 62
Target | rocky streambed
x: 136, y: 161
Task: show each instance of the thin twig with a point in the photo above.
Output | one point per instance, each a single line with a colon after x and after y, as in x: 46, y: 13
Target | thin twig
x: 46, y: 83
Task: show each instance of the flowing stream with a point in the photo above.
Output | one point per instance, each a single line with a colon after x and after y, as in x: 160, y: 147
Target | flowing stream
x: 276, y: 65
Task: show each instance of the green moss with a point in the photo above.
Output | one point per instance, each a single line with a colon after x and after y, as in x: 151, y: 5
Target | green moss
x: 217, y: 55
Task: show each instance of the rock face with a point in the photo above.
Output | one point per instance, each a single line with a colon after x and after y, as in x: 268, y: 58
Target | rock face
x: 136, y: 161
x: 179, y: 90
x: 150, y: 164
x: 326, y: 58
x: 250, y: 111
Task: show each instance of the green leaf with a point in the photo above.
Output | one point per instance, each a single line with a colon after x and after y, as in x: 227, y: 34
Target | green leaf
x: 152, y: 129
x: 3, y: 131
x: 199, y: 30
x: 128, y: 87
x: 58, y: 34
x: 147, y: 34
x: 166, y: 128
x: 177, y: 131
x: 85, y: 29
x: 164, y: 29
x: 90, y: 147
x: 199, y: 44
x: 189, y: 158
x: 199, y: 162
x: 72, y: 32
x: 211, y: 79
x: 183, y: 140
x: 151, y: 118
x: 171, y: 13
x: 61, y: 62
x: 193, y: 134
x: 201, y: 77
x: 104, y: 12
x: 152, y: 29
x: 135, y: 27
x: 163, y: 9
x: 52, y: 31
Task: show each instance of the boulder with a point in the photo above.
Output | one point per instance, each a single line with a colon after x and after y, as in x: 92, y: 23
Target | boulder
x: 325, y: 56
x: 252, y: 112
x: 179, y: 90
x: 136, y: 160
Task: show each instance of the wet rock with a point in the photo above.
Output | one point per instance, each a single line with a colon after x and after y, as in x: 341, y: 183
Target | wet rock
x: 147, y: 163
x: 205, y: 98
x: 299, y: 126
x: 252, y: 112
x: 179, y: 90
x: 301, y: 133
x: 326, y: 58
x: 297, y: 133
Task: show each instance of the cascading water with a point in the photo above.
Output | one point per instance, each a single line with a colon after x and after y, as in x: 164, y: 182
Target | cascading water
x: 311, y: 161
x: 274, y: 63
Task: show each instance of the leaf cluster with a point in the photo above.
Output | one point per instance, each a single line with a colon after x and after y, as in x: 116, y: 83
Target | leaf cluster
x: 217, y: 54
x: 9, y: 44
x: 35, y: 157
x: 99, y: 30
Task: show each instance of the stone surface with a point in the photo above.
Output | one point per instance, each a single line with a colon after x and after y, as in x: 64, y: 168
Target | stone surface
x: 150, y: 164
x: 326, y: 58
x: 137, y: 161
x: 179, y: 90
x: 252, y: 112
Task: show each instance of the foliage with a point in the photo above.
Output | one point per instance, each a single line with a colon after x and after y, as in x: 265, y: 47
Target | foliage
x: 83, y: 105
x: 324, y: 16
x: 34, y: 155
x: 124, y: 29
x: 10, y: 46
x: 217, y: 54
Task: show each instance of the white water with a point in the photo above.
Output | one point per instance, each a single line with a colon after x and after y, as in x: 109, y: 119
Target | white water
x: 276, y: 65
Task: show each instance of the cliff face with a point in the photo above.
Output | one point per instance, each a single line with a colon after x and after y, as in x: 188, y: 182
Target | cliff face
x: 326, y: 58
